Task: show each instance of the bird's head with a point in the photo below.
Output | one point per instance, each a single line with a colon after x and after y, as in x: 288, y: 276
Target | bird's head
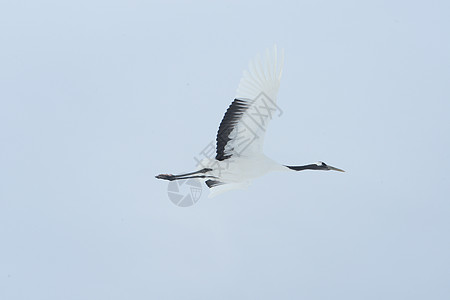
x: 323, y: 166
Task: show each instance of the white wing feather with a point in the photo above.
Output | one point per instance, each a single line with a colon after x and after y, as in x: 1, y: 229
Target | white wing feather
x: 262, y: 78
x: 259, y: 88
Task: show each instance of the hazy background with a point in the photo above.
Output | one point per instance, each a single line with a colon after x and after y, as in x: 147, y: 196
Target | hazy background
x: 97, y: 97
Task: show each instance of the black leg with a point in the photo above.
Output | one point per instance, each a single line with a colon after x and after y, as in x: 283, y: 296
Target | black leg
x: 171, y: 177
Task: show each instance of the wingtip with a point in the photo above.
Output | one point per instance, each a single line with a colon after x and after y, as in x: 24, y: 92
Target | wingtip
x: 262, y: 74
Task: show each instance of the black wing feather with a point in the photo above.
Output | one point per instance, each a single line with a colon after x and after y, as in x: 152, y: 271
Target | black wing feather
x: 232, y: 116
x: 212, y: 183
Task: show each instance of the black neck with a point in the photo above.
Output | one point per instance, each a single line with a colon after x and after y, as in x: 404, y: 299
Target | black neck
x: 306, y: 167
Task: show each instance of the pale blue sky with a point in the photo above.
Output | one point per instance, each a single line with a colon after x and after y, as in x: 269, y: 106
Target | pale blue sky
x: 97, y: 97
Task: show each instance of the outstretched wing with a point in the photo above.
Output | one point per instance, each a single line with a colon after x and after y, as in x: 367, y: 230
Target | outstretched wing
x: 242, y: 130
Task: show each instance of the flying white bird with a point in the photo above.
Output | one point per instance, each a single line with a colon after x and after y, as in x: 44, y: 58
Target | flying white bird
x: 239, y: 142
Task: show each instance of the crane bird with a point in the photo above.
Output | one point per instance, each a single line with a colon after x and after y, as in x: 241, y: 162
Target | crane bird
x: 239, y: 155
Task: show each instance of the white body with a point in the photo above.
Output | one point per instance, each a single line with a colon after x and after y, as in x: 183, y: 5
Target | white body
x: 238, y: 172
x: 242, y: 168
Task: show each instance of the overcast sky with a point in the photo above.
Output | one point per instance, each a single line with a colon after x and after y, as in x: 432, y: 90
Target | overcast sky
x: 97, y: 97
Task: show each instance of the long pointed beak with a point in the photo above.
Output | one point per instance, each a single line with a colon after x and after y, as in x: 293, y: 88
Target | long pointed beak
x: 335, y: 169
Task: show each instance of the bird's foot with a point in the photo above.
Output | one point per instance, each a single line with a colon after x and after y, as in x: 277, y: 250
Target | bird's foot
x: 166, y: 176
